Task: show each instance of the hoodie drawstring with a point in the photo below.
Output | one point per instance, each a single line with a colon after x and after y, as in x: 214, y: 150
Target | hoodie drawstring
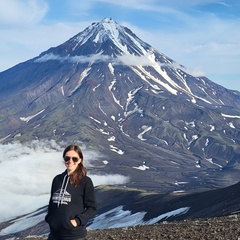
x: 63, y: 190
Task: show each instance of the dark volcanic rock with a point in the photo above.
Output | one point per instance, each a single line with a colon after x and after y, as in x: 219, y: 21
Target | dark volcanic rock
x: 213, y: 229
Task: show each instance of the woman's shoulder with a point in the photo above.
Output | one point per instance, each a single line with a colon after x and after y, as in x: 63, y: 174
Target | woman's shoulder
x: 87, y: 180
x: 60, y: 175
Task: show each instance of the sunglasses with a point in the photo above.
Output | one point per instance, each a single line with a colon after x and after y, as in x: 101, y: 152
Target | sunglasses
x: 67, y: 158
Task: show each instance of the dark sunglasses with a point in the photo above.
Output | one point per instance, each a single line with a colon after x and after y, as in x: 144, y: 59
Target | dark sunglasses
x: 67, y: 158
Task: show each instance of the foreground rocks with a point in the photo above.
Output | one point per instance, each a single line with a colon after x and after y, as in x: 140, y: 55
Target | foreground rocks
x: 217, y: 228
x: 221, y: 228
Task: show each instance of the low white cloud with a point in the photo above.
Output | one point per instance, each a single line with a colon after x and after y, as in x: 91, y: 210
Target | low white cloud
x: 74, y: 59
x: 129, y: 60
x: 110, y: 179
x: 132, y: 60
x: 26, y: 173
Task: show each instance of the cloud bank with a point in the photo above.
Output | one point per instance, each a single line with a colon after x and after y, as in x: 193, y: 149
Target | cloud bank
x: 129, y: 60
x: 26, y: 173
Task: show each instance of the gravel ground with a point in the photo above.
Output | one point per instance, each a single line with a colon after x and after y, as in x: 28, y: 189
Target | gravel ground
x: 221, y: 228
x: 225, y: 228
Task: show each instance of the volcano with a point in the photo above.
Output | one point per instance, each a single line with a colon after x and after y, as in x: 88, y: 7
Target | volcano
x: 147, y: 115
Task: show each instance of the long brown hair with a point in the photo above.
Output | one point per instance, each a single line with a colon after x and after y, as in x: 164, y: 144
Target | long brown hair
x: 80, y: 172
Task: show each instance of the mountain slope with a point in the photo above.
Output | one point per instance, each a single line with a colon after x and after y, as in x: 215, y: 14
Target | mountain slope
x: 113, y: 92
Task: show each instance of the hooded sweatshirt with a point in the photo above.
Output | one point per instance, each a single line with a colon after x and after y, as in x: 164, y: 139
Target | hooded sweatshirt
x: 70, y: 202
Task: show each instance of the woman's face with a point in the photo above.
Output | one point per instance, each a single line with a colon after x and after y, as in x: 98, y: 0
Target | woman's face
x: 71, y: 161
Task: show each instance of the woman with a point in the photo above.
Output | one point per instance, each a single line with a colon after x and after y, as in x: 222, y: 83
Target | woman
x: 72, y: 202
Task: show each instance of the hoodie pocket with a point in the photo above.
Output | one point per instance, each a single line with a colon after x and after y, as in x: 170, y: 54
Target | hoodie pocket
x: 61, y: 223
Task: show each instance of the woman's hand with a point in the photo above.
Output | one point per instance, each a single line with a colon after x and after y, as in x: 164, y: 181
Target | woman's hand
x: 73, y: 222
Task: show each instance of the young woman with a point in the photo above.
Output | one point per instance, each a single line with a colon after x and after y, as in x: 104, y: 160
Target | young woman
x: 72, y: 202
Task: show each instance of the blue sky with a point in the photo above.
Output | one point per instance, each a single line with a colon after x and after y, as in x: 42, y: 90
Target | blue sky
x: 202, y: 35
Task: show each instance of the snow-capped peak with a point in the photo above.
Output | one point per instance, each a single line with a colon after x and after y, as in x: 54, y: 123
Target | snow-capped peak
x: 121, y: 39
x: 109, y: 42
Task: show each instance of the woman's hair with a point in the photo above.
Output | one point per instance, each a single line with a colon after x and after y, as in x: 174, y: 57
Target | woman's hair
x: 80, y: 172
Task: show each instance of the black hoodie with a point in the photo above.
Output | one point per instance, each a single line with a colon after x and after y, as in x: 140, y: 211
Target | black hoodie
x: 70, y: 202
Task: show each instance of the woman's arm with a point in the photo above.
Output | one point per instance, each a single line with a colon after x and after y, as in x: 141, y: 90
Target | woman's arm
x: 89, y: 204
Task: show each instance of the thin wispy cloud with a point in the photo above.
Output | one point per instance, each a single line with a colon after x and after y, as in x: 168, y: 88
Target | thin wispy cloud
x: 127, y: 60
x: 24, y: 13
